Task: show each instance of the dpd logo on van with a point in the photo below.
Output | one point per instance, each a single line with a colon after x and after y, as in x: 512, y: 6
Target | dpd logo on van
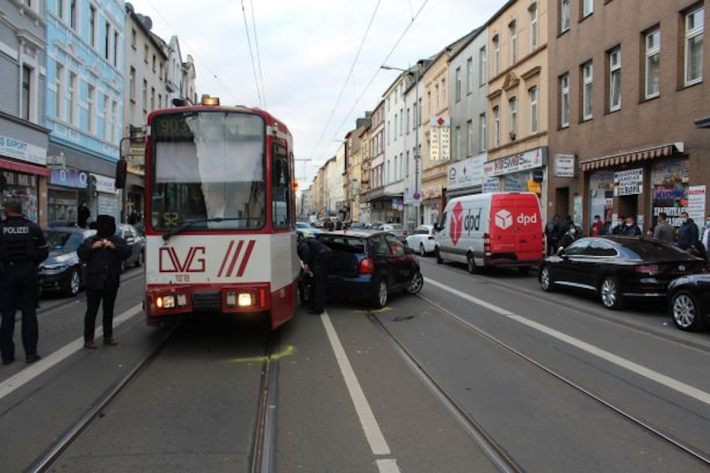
x: 504, y: 219
x: 456, y: 223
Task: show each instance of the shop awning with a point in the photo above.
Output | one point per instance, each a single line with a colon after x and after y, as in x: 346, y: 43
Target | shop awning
x: 633, y: 156
x: 26, y: 168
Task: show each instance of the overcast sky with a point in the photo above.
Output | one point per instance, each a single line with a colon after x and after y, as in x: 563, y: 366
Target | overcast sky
x: 307, y: 48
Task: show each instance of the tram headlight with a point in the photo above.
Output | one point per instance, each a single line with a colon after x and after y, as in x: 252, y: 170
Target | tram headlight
x: 245, y: 299
x: 165, y: 302
x: 181, y: 300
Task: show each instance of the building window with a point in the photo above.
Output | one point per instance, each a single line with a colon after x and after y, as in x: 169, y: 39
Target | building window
x: 409, y: 119
x: 496, y: 55
x: 107, y: 41
x: 615, y: 80
x: 565, y: 15
x: 513, y: 28
x: 414, y: 124
x: 91, y: 102
x: 534, y: 114
x: 694, y: 25
x: 457, y: 143
x: 483, y: 66
x: 469, y: 75
x: 513, y: 107
x: 152, y: 98
x: 145, y: 54
x: 653, y: 64
x: 132, y: 84
x: 154, y: 62
x: 587, y: 8
x: 107, y: 128
x: 92, y: 25
x: 496, y: 127
x: 396, y: 123
x: 401, y: 122
x: 587, y: 89
x: 60, y: 9
x: 469, y: 138
x: 458, y: 84
x: 389, y: 132
x: 59, y: 83
x: 73, y: 103
x: 533, y: 27
x: 26, y: 92
x: 72, y: 14
x: 114, y: 121
x: 564, y: 101
x: 436, y: 88
x: 145, y: 95
x: 115, y: 48
x: 134, y: 39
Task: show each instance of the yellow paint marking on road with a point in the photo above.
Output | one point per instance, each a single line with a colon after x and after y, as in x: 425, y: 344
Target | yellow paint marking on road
x: 288, y: 351
x: 378, y: 311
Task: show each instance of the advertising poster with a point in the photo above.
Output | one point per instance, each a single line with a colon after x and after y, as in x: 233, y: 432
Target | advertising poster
x: 628, y: 182
x: 669, y: 190
x: 696, y: 203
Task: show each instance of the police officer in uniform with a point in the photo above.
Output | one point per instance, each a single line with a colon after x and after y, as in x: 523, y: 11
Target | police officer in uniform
x: 22, y: 248
x: 315, y: 256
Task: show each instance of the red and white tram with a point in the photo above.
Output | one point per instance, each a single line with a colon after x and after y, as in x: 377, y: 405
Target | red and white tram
x: 219, y: 213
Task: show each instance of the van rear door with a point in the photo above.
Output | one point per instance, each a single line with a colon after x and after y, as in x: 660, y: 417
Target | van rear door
x: 528, y: 228
x: 502, y: 227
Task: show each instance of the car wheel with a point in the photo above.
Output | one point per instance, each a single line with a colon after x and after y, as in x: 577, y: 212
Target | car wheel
x: 422, y: 251
x: 546, y: 282
x: 382, y: 295
x: 471, y: 264
x: 610, y: 294
x: 687, y: 312
x: 123, y: 266
x: 439, y: 259
x: 74, y: 285
x: 416, y: 284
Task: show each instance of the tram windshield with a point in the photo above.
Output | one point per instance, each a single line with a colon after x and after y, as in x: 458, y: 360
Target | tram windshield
x: 209, y: 169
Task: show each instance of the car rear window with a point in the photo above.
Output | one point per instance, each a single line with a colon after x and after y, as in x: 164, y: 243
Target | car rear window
x: 655, y: 250
x: 344, y: 243
x: 421, y: 232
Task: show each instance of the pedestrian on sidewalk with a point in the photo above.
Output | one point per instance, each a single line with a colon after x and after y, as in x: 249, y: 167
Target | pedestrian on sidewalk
x: 22, y: 249
x: 315, y: 256
x: 597, y: 227
x: 552, y: 230
x: 706, y: 234
x: 631, y: 229
x: 103, y: 254
x: 619, y: 228
x: 688, y: 232
x: 664, y: 231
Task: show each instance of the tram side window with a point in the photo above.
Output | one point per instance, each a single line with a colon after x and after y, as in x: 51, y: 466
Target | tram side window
x: 281, y: 188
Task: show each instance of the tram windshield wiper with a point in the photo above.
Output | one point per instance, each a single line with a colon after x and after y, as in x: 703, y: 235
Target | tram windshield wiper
x: 189, y: 223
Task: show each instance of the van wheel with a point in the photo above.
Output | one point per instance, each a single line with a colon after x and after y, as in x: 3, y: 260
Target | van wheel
x: 471, y: 264
x: 439, y: 259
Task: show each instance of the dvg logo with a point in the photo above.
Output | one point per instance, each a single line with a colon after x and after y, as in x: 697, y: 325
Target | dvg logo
x: 504, y: 219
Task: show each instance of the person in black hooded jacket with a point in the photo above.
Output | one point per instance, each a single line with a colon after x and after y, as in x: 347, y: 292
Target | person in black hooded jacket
x: 103, y: 254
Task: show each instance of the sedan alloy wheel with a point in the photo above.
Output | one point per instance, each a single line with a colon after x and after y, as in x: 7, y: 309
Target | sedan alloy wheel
x: 546, y: 279
x: 74, y: 283
x: 611, y: 298
x: 382, y: 294
x: 687, y: 314
x: 416, y: 284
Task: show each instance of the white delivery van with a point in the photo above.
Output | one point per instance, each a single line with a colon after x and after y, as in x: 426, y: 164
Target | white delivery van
x: 492, y: 230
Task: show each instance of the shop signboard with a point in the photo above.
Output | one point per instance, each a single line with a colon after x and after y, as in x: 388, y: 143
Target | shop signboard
x: 69, y: 178
x: 535, y: 187
x: 669, y: 190
x: 105, y: 184
x: 16, y: 149
x: 491, y: 184
x: 440, y: 142
x: 532, y: 159
x: 628, y: 182
x: 696, y: 203
x: 466, y: 173
x: 564, y: 165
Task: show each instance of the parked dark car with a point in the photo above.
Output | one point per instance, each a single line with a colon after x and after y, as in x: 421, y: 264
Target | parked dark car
x: 135, y: 241
x: 689, y: 302
x: 61, y: 272
x: 368, y: 267
x: 616, y: 268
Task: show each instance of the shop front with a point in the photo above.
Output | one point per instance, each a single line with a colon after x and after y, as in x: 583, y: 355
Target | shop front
x: 68, y: 189
x: 641, y: 184
x: 433, y: 204
x: 23, y: 171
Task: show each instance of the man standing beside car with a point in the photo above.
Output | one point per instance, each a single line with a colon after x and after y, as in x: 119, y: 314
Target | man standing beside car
x: 103, y: 254
x: 664, y: 231
x: 688, y: 232
x: 22, y: 248
x: 315, y: 256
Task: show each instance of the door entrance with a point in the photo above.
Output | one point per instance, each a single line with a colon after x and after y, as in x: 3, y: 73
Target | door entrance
x: 562, y: 202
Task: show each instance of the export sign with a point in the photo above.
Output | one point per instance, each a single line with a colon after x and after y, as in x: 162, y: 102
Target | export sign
x: 518, y: 162
x: 628, y: 182
x: 17, y: 149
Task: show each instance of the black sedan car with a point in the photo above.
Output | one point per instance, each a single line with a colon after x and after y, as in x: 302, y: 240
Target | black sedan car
x: 368, y: 267
x: 61, y: 272
x: 689, y: 302
x: 617, y: 267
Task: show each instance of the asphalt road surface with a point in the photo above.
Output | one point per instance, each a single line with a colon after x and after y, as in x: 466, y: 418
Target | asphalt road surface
x: 478, y: 373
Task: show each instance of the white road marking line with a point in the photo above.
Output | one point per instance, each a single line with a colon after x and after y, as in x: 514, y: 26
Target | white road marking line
x: 32, y: 371
x: 387, y: 466
x: 640, y: 370
x: 377, y: 441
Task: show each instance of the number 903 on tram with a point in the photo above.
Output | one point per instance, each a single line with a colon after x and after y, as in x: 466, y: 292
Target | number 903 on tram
x: 219, y: 212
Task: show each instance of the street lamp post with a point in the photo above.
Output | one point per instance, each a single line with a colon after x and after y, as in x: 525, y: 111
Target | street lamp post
x: 417, y: 208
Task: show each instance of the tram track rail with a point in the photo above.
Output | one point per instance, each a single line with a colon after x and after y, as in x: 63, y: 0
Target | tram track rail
x: 570, y: 305
x: 263, y: 450
x: 699, y: 455
x: 51, y: 456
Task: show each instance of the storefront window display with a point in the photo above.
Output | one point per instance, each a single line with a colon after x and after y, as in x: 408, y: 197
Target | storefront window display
x: 517, y: 182
x: 669, y: 189
x: 22, y: 187
x: 601, y: 196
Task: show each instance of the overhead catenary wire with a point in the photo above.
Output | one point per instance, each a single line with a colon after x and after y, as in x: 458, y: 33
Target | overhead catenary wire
x: 258, y: 53
x: 347, y: 80
x: 206, y: 66
x: 377, y: 72
x: 251, y: 54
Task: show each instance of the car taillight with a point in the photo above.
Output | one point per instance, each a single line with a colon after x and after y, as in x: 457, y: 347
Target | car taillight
x: 651, y: 269
x: 431, y: 238
x: 367, y: 266
x: 486, y: 243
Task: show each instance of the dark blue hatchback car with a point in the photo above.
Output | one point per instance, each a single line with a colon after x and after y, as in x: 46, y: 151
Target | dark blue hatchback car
x: 369, y: 266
